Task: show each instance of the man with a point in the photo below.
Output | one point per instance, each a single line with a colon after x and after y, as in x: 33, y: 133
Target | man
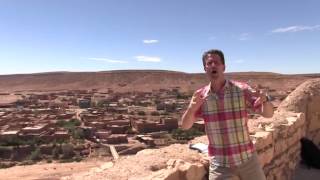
x: 224, y: 106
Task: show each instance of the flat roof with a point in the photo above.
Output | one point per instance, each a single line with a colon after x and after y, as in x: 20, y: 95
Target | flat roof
x: 9, y: 132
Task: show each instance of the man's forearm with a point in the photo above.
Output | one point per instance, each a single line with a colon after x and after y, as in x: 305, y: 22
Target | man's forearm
x: 188, y: 119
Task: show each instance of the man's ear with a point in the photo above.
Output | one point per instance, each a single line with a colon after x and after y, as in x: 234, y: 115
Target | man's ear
x: 224, y: 68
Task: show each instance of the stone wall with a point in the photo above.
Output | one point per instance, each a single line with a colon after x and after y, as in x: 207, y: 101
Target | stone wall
x: 306, y: 99
x: 278, y: 145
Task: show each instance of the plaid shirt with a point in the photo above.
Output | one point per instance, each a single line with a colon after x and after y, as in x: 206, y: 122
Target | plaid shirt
x: 225, y: 116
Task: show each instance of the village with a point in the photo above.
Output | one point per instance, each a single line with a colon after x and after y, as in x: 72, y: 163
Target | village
x: 74, y: 124
x: 71, y: 125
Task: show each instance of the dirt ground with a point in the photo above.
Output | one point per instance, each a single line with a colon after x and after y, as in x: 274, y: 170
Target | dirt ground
x: 98, y: 168
x: 51, y: 171
x: 302, y: 172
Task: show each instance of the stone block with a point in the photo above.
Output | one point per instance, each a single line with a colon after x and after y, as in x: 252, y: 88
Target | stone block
x: 163, y: 174
x: 180, y: 169
x: 314, y: 121
x: 266, y: 156
x: 294, y: 149
x: 294, y: 138
x: 282, y: 131
x: 300, y: 120
x: 280, y: 160
x: 270, y: 177
x: 195, y: 172
x: 262, y: 139
x: 280, y: 174
x: 316, y: 138
x: 280, y: 146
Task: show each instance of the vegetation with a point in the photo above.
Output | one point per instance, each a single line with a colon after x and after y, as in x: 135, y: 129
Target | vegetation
x: 35, y: 155
x: 67, y: 151
x: 77, y: 157
x: 6, y: 165
x: 68, y: 124
x: 71, y: 126
x: 78, y: 133
x: 189, y: 134
x: 16, y: 141
x: 182, y: 96
x: 141, y: 113
x: 56, y: 152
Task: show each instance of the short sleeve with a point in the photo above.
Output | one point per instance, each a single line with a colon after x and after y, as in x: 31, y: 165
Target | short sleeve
x: 199, y: 112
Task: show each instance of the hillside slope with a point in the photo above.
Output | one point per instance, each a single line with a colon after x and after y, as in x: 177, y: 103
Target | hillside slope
x: 139, y: 80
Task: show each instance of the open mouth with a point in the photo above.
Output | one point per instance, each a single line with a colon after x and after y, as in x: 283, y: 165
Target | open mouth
x: 214, y: 72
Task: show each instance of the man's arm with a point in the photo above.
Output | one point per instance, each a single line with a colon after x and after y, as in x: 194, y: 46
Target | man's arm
x: 189, y: 116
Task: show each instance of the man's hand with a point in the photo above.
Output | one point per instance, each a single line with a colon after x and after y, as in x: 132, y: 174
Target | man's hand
x: 189, y: 117
x: 197, y: 100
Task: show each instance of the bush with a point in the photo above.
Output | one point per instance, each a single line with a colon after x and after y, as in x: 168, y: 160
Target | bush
x: 67, y: 151
x: 66, y: 160
x: 182, y: 96
x: 14, y: 141
x: 189, y: 134
x: 77, y: 158
x: 141, y: 113
x: 75, y: 122
x: 35, y: 155
x: 71, y: 124
x: 6, y: 165
x: 78, y: 134
x: 27, y: 163
x: 56, y: 152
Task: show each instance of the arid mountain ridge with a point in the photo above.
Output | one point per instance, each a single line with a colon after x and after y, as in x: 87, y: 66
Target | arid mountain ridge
x: 138, y: 80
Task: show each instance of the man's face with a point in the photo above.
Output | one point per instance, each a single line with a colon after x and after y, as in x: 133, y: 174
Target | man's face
x: 214, y: 67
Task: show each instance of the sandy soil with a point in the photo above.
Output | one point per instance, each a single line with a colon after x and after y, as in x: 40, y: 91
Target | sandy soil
x: 52, y: 171
x: 9, y: 98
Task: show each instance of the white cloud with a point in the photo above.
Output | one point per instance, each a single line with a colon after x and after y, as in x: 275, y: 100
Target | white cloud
x: 296, y: 29
x: 150, y: 41
x: 244, y: 36
x: 107, y: 60
x: 148, y: 59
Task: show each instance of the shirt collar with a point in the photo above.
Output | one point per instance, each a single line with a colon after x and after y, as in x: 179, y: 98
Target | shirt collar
x: 226, y: 86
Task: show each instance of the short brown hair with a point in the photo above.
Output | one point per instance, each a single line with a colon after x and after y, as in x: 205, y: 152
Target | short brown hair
x: 213, y: 51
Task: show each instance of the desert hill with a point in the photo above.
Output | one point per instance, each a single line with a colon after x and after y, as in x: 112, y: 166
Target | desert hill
x: 138, y: 80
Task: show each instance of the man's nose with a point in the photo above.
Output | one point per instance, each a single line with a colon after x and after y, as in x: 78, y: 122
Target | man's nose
x: 213, y: 64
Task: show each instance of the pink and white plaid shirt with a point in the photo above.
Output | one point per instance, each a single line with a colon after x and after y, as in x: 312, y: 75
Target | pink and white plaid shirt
x: 225, y: 114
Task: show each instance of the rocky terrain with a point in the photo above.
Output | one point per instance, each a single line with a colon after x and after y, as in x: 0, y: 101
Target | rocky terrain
x: 138, y: 80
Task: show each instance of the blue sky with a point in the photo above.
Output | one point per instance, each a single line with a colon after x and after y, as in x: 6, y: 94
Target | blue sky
x: 280, y: 36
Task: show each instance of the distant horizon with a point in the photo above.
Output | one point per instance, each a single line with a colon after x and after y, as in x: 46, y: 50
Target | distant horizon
x: 119, y: 70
